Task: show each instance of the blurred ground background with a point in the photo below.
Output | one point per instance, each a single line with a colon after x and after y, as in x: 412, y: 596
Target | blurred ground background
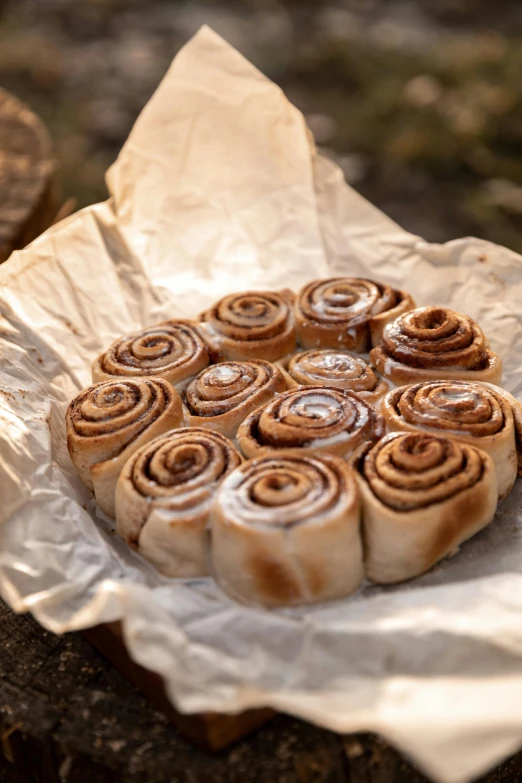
x: 420, y: 101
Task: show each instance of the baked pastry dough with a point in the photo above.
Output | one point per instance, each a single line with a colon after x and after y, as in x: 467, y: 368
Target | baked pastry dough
x: 253, y: 325
x: 173, y: 350
x: 222, y: 395
x: 431, y: 343
x: 422, y: 496
x: 164, y: 494
x: 347, y: 312
x: 516, y: 408
x: 312, y: 418
x: 335, y: 369
x: 106, y: 423
x: 474, y: 413
x: 285, y: 530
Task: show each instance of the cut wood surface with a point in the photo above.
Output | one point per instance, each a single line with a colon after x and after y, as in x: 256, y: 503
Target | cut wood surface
x: 208, y: 730
x: 28, y: 190
x: 68, y: 716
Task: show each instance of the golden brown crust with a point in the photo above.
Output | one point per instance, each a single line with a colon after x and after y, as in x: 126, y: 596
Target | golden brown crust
x: 222, y: 395
x: 253, y: 325
x: 334, y: 369
x: 164, y: 493
x: 432, y: 343
x: 272, y: 580
x: 106, y: 423
x: 173, y: 350
x: 311, y: 418
x: 346, y: 312
x: 422, y: 497
x: 285, y: 530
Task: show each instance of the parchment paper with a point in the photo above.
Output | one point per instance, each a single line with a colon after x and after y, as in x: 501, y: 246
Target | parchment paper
x: 219, y: 188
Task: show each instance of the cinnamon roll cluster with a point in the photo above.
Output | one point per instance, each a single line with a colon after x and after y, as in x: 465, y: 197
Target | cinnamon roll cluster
x: 250, y: 444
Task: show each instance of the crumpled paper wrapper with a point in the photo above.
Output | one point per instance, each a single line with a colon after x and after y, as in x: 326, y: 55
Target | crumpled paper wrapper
x: 219, y: 188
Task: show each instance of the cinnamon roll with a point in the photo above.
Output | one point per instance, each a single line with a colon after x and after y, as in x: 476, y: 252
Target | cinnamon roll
x: 164, y: 494
x: 222, y: 395
x: 336, y: 369
x: 173, y: 350
x: 473, y: 413
x: 347, y: 312
x: 106, y: 423
x: 422, y: 496
x: 432, y: 343
x: 285, y: 530
x: 312, y: 418
x: 253, y: 324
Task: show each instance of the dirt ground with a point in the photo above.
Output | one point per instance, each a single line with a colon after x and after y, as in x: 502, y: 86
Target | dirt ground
x: 420, y: 101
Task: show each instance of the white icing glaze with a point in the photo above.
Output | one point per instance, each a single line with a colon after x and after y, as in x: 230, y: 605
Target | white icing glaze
x: 223, y: 372
x: 319, y: 406
x: 389, y: 364
x: 459, y: 396
x: 317, y: 410
x: 333, y: 361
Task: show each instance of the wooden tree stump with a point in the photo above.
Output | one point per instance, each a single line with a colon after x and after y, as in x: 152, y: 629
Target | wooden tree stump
x: 28, y: 190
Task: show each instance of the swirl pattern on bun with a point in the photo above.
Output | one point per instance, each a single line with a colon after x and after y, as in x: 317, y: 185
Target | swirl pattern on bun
x: 285, y: 530
x: 106, y: 423
x: 347, y: 312
x: 423, y: 495
x: 253, y: 325
x: 335, y: 369
x: 431, y: 343
x: 222, y: 395
x: 173, y: 350
x: 311, y: 418
x: 164, y: 495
